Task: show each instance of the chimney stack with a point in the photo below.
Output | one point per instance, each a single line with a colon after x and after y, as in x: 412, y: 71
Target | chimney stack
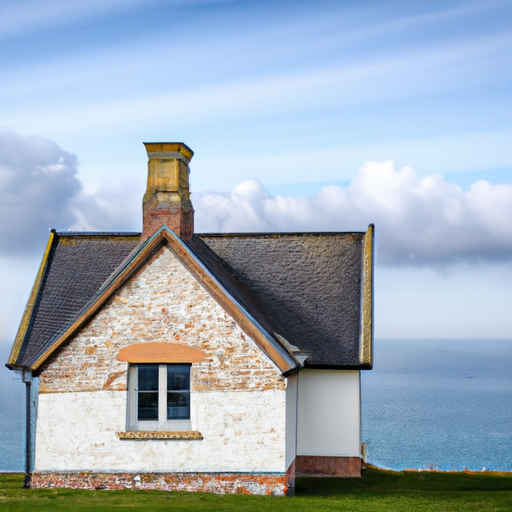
x: 167, y: 198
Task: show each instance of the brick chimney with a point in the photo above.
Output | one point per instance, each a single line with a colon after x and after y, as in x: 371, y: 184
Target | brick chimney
x: 167, y: 198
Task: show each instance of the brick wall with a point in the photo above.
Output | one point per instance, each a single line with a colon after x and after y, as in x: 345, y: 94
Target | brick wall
x: 219, y: 483
x: 162, y: 303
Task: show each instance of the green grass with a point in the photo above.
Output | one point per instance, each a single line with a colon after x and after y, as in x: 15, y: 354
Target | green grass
x: 376, y: 491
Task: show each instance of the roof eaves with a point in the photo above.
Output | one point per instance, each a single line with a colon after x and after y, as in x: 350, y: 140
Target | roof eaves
x: 329, y: 366
x: 30, y: 307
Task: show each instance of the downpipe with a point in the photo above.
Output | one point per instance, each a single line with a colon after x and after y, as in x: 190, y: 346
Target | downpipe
x: 27, y: 380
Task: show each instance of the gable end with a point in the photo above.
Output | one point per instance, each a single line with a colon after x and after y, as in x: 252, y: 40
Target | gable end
x: 265, y: 341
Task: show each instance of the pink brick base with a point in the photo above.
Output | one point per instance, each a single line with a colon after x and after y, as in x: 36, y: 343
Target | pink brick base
x: 310, y: 465
x: 219, y: 483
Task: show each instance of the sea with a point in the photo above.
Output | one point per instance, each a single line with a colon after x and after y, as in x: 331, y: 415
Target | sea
x: 427, y: 404
x: 439, y: 404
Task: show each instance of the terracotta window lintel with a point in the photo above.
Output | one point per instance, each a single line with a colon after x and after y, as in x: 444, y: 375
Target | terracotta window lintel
x: 160, y: 352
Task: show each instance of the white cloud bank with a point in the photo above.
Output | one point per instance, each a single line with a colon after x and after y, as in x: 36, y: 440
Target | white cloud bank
x: 419, y: 222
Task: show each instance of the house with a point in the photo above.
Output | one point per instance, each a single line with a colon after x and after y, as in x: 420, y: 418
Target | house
x: 212, y: 362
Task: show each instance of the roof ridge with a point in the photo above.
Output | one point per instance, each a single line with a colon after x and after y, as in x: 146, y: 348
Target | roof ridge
x: 95, y: 233
x: 282, y: 233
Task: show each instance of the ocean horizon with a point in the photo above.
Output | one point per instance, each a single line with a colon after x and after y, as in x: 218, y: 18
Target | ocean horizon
x: 427, y: 404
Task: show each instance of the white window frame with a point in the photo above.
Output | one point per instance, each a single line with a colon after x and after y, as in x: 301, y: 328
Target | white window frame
x: 163, y: 424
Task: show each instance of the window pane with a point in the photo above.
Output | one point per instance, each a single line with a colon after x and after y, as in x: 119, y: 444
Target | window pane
x: 178, y: 377
x: 178, y: 405
x: 175, y: 399
x: 147, y: 406
x: 148, y: 377
x: 178, y: 391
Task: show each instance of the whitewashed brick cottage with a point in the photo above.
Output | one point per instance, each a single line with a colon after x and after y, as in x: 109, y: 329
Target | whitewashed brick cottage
x: 212, y: 362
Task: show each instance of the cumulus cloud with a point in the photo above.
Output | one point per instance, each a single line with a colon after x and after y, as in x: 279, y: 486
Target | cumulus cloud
x: 39, y: 190
x: 420, y: 221
x: 115, y: 206
x: 37, y: 181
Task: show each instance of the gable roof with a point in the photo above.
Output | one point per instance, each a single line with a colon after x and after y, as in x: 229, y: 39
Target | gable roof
x: 36, y: 353
x: 306, y: 294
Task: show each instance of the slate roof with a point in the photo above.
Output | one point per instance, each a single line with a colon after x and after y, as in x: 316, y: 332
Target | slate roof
x: 306, y: 287
x: 78, y: 264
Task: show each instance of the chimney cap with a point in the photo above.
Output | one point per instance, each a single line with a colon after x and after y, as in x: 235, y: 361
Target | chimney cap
x: 169, y: 150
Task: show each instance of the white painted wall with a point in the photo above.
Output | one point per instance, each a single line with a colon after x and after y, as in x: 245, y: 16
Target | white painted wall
x: 291, y: 419
x: 329, y: 413
x: 243, y: 431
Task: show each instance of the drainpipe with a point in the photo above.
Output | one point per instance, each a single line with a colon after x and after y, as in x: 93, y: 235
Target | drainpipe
x: 27, y: 379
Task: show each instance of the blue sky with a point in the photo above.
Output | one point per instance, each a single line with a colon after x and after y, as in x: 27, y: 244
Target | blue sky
x: 293, y: 110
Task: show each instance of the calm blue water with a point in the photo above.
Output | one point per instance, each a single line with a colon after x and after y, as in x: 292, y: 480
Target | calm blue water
x: 12, y: 407
x: 440, y: 403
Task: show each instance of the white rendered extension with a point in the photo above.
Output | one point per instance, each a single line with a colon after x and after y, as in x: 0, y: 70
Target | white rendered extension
x: 329, y: 407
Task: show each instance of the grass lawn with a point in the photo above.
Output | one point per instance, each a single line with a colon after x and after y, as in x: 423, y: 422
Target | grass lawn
x: 376, y: 491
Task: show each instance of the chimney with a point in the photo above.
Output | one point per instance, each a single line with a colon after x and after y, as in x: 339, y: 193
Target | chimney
x: 167, y: 198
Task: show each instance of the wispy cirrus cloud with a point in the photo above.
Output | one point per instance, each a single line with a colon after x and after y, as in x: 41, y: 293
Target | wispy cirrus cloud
x: 26, y: 16
x: 306, y: 89
x: 22, y: 17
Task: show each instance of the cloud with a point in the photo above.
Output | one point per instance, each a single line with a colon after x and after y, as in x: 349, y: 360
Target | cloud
x: 274, y: 92
x: 115, y: 206
x: 40, y: 189
x: 37, y: 181
x: 419, y: 222
x: 26, y: 16
x: 224, y: 95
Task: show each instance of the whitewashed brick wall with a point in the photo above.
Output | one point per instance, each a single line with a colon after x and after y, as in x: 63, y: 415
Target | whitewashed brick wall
x: 237, y: 394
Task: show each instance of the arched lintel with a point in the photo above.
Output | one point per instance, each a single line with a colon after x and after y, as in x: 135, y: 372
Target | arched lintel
x: 160, y: 352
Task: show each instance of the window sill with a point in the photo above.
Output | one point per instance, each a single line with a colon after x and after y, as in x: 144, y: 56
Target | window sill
x: 187, y: 435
